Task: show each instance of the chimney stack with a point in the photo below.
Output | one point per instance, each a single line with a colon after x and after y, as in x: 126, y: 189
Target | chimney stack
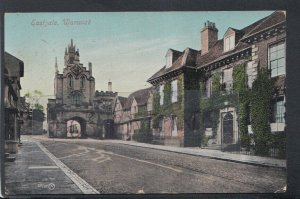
x: 209, y: 35
x: 90, y: 68
x: 110, y: 86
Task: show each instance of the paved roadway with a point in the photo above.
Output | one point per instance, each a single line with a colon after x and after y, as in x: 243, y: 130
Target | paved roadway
x: 117, y: 168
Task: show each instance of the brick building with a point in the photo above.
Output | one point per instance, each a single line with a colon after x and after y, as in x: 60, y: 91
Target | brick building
x: 199, y: 92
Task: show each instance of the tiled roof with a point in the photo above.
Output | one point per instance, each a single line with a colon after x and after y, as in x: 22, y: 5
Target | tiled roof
x: 141, y: 97
x: 217, y: 53
x: 122, y: 100
x: 273, y: 19
x: 187, y: 58
x: 14, y: 66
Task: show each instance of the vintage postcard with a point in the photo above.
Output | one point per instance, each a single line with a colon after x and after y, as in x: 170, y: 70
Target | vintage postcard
x: 145, y: 102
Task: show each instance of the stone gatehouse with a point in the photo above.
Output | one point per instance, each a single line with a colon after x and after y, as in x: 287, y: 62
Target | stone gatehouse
x: 77, y: 110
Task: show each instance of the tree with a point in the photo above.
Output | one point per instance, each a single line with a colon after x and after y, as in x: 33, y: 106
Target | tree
x: 37, y: 109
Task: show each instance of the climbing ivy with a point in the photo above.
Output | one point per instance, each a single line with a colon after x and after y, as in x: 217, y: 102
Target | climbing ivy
x: 210, y: 107
x: 168, y: 108
x: 240, y: 87
x: 260, y: 112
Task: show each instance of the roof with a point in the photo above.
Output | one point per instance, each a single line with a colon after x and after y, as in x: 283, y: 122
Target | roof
x: 122, y: 100
x: 216, y: 52
x: 186, y: 58
x: 14, y: 66
x: 140, y: 96
x: 273, y: 19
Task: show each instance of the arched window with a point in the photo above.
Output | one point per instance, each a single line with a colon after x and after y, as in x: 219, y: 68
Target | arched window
x: 82, y: 82
x: 70, y: 81
x: 76, y: 99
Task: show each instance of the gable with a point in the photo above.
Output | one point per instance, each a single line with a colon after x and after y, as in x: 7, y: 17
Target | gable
x: 229, y: 32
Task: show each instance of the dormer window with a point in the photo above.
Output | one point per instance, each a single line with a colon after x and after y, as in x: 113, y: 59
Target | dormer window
x: 229, y: 43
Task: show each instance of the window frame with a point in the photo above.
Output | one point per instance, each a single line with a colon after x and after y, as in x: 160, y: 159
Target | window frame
x: 161, y: 94
x: 70, y: 81
x: 278, y: 117
x: 174, y: 93
x: 229, y: 46
x: 82, y: 82
x: 278, y: 42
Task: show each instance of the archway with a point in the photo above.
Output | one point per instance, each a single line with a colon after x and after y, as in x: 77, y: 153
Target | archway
x: 76, y: 127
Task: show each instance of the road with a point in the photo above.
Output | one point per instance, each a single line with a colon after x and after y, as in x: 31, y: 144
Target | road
x: 117, y: 168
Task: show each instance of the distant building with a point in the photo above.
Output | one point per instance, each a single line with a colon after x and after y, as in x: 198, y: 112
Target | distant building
x: 77, y: 110
x: 131, y: 112
x: 13, y: 71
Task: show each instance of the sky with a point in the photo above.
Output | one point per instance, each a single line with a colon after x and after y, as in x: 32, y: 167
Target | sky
x: 124, y: 47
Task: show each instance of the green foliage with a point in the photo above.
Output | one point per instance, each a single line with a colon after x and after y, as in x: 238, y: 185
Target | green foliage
x: 278, y: 142
x: 142, y: 111
x: 144, y: 134
x: 167, y: 95
x: 204, y: 140
x: 38, y: 115
x: 240, y: 87
x: 168, y: 108
x: 37, y: 109
x: 211, y: 106
x: 260, y: 112
x: 216, y: 85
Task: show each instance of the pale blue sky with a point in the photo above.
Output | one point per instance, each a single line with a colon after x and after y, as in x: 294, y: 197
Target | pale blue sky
x: 125, y: 47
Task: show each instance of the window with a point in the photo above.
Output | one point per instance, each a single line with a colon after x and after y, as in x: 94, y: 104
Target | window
x: 70, y: 81
x: 279, y: 110
x: 208, y: 86
x: 277, y: 59
x: 229, y: 43
x: 174, y: 126
x: 161, y: 94
x: 227, y: 80
x: 76, y: 99
x: 251, y: 73
x: 82, y: 82
x: 174, y: 91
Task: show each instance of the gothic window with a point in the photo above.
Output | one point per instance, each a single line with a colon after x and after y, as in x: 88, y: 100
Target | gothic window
x: 277, y: 59
x: 76, y: 99
x: 82, y: 82
x: 161, y: 94
x: 70, y: 82
x: 174, y: 91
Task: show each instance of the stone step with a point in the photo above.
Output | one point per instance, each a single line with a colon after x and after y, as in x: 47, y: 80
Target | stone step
x: 10, y: 159
x: 6, y: 155
x: 213, y: 147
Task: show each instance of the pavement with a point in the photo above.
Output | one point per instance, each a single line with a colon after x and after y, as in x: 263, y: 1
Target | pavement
x: 36, y: 171
x: 195, y: 151
x: 210, y: 153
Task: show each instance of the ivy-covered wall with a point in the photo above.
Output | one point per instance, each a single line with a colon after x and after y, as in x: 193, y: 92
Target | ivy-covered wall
x: 210, y: 107
x: 261, y: 96
x: 192, y: 137
x: 168, y: 108
x: 249, y: 103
